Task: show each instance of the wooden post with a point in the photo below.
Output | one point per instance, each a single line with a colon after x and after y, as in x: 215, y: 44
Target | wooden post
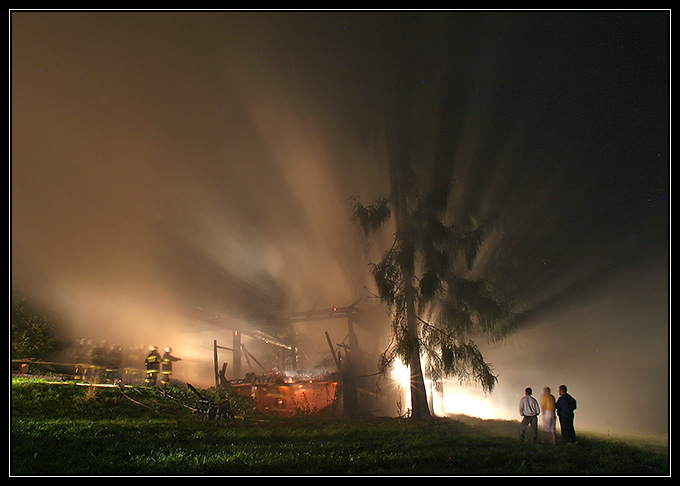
x: 217, y: 374
x: 237, y: 354
x: 293, y: 350
x: 335, y: 357
x: 350, y: 396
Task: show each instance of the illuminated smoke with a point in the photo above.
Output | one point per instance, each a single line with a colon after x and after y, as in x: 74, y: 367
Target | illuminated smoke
x: 174, y: 176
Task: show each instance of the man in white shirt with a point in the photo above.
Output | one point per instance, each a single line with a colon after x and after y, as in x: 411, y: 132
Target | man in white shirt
x: 529, y: 411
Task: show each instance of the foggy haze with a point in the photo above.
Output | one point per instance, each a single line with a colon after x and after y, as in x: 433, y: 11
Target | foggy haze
x: 175, y: 174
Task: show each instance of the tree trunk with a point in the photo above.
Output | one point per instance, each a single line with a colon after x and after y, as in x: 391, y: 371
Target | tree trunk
x: 400, y: 195
x: 401, y: 143
x: 419, y: 406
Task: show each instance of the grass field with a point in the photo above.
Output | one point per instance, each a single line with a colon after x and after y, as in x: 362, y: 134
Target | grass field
x: 65, y: 429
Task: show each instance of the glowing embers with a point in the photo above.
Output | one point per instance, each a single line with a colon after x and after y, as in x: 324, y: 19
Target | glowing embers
x: 290, y: 399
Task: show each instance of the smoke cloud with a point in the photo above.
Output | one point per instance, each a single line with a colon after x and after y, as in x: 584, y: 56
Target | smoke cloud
x: 175, y: 175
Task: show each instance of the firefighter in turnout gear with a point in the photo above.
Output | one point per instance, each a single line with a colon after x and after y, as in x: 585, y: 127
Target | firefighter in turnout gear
x: 81, y: 359
x: 166, y: 369
x: 153, y: 364
x: 114, y: 363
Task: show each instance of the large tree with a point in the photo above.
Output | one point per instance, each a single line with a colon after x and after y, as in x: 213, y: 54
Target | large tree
x: 436, y: 311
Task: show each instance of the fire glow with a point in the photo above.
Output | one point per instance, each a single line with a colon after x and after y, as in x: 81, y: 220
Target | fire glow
x: 448, y: 398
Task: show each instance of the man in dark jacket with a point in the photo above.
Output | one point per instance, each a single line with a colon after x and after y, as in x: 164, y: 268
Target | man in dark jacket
x: 565, y: 407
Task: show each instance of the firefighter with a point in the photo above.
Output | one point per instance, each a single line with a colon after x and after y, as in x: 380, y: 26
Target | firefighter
x: 153, y: 363
x: 114, y: 363
x: 81, y: 359
x: 98, y: 360
x: 167, y: 366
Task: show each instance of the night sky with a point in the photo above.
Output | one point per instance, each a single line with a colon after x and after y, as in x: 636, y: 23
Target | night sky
x: 173, y: 171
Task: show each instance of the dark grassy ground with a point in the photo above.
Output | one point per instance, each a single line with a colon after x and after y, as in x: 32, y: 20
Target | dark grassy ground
x: 73, y: 430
